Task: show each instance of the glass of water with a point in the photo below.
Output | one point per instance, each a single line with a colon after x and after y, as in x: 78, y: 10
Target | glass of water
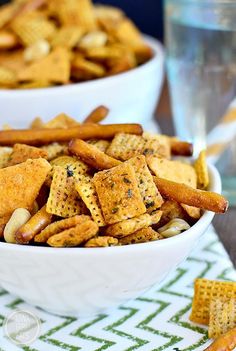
x: 201, y: 65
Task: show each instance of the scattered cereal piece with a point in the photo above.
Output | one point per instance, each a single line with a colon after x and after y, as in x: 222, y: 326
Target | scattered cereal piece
x: 118, y: 193
x: 204, y: 291
x: 222, y: 317
x: 20, y: 184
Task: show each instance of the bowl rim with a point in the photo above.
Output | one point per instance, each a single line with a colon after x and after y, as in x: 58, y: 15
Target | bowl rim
x: 199, y: 226
x: 158, y: 56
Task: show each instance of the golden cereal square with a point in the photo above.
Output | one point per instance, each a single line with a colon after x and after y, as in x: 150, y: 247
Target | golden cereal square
x: 20, y: 184
x: 64, y: 200
x: 204, y: 291
x: 141, y: 236
x: 151, y: 197
x: 125, y: 146
x: 118, y: 193
x: 22, y: 153
x: 222, y: 317
x: 87, y: 192
x: 175, y: 171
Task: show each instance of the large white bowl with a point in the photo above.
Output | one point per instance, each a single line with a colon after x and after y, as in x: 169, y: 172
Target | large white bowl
x: 131, y: 96
x: 80, y: 281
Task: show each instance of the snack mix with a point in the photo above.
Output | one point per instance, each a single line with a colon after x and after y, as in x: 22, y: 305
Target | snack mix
x: 70, y: 184
x: 45, y: 43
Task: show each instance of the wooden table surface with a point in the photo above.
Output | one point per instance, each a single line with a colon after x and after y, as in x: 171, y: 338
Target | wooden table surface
x: 225, y: 225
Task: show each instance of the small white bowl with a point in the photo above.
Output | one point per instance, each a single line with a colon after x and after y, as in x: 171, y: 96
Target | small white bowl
x: 131, y: 96
x: 82, y: 282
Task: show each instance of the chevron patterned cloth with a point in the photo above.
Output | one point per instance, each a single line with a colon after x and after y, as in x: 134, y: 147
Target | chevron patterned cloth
x: 156, y: 321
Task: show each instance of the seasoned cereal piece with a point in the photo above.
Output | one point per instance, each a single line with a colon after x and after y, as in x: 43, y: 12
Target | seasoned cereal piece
x: 74, y: 167
x: 204, y: 291
x: 63, y: 199
x: 61, y: 121
x: 60, y: 226
x: 222, y: 317
x: 200, y: 166
x: 54, y: 150
x: 77, y: 13
x: 102, y: 145
x: 32, y: 27
x: 175, y: 171
x: 22, y: 153
x: 87, y: 192
x: 20, y: 184
x: 148, y: 190
x: 74, y: 236
x: 53, y: 68
x: 37, y: 123
x: 118, y: 194
x: 129, y: 226
x: 101, y: 241
x: 125, y: 146
x: 141, y: 236
x: 67, y: 36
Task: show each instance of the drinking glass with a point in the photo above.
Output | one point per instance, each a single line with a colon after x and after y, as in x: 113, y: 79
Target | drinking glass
x: 201, y: 68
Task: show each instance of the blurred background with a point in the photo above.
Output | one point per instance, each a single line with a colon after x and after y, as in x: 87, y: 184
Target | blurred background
x: 147, y: 14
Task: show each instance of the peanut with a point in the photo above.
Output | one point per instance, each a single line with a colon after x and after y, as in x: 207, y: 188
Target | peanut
x: 174, y: 227
x: 19, y: 217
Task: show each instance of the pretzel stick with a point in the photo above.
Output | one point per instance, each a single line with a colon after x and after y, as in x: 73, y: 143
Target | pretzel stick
x: 97, y: 115
x: 184, y: 194
x: 226, y: 342
x: 92, y: 155
x: 47, y: 136
x: 35, y: 225
x: 181, y: 148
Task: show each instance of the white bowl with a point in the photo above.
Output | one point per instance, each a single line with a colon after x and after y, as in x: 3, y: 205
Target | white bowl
x: 82, y: 282
x: 132, y: 96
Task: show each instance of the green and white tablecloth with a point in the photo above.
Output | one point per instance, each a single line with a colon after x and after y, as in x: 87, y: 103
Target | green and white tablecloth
x: 157, y: 320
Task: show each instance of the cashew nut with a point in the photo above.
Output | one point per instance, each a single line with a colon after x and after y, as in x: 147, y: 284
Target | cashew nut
x: 174, y: 227
x: 19, y: 217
